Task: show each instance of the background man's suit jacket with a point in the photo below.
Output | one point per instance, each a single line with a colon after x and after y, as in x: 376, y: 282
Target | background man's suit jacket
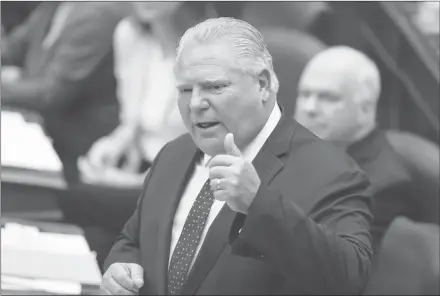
x: 306, y: 232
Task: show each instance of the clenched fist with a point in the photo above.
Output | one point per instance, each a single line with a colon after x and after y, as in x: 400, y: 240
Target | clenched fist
x: 123, y: 279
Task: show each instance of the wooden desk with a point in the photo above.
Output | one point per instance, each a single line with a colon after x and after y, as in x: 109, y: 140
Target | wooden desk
x: 31, y: 172
x: 31, y: 194
x: 27, y: 153
x: 28, y: 177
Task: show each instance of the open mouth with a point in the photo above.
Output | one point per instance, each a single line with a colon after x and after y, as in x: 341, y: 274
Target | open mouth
x: 206, y: 125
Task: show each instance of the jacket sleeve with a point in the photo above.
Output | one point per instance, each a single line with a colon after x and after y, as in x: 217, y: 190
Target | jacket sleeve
x: 82, y: 46
x: 326, y: 251
x: 126, y: 247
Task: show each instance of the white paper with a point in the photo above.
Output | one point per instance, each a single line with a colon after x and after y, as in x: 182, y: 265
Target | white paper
x: 29, y: 253
x: 50, y: 266
x: 23, y: 237
x: 25, y: 145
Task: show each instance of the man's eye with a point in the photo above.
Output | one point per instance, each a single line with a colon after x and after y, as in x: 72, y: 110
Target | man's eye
x: 216, y: 86
x: 185, y: 90
x: 304, y: 93
x: 331, y: 98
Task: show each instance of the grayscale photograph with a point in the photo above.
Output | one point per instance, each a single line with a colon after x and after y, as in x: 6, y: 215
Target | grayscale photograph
x: 220, y: 147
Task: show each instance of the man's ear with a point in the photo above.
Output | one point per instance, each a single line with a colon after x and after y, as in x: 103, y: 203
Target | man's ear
x: 367, y: 110
x: 365, y: 89
x: 264, y: 83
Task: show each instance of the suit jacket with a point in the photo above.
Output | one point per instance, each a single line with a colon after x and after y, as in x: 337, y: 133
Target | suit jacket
x: 391, y: 182
x: 306, y: 232
x: 71, y: 82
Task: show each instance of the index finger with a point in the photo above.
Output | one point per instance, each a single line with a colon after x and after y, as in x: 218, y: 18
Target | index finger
x: 221, y: 160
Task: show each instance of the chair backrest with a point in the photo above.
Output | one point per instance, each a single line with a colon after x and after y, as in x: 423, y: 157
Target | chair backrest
x: 291, y: 51
x: 421, y: 158
x: 408, y: 260
x: 419, y: 154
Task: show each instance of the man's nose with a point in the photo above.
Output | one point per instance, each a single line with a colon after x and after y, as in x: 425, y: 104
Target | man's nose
x: 198, y: 101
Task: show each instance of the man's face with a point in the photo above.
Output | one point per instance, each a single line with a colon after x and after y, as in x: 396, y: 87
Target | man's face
x: 217, y: 98
x: 325, y: 104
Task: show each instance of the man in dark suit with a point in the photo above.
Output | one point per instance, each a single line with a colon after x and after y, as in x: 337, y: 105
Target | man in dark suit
x: 249, y: 201
x: 65, y: 54
x: 338, y: 94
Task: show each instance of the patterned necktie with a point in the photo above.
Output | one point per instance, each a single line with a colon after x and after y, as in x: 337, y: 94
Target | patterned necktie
x: 189, y: 239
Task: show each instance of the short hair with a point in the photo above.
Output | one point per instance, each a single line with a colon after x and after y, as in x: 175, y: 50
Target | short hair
x: 363, y: 70
x: 251, y: 51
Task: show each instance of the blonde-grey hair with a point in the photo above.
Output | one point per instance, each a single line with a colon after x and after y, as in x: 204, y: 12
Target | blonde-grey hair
x: 250, y: 49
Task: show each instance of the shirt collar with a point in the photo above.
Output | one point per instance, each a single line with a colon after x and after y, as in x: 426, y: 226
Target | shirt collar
x: 257, y: 143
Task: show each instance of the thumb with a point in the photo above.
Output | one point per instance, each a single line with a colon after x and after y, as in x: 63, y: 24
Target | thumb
x: 137, y: 275
x: 230, y: 146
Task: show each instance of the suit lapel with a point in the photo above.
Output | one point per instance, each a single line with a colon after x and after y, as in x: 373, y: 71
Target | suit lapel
x: 268, y: 161
x: 178, y: 177
x: 267, y: 165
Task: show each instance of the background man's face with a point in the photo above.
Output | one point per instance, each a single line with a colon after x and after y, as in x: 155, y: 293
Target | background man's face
x: 325, y: 103
x: 216, y: 97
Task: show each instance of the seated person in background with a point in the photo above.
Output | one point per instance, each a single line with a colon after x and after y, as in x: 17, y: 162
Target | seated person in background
x: 144, y: 47
x: 114, y: 169
x: 337, y: 99
x: 64, y: 50
x: 248, y: 201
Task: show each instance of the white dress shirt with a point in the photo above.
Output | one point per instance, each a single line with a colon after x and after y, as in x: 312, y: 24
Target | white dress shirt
x: 201, y: 174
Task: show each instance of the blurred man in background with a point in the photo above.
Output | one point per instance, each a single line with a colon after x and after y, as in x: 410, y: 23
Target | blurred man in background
x: 337, y: 100
x: 64, y: 51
